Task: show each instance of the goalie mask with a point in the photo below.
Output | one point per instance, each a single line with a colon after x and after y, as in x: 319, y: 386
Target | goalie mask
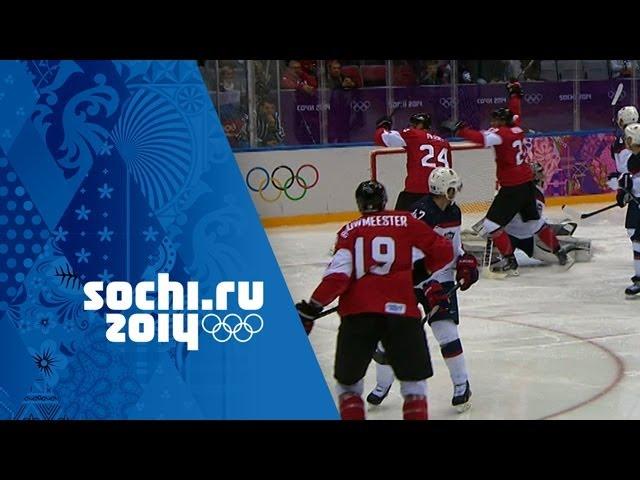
x: 444, y: 181
x: 538, y: 174
x: 627, y: 115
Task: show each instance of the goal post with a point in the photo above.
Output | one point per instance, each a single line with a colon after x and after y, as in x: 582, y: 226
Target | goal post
x: 474, y: 164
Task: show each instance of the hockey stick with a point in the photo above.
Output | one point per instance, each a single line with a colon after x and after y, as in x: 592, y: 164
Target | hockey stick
x: 614, y: 101
x: 524, y: 70
x: 575, y: 215
x: 326, y: 312
x: 616, y: 97
x: 433, y: 311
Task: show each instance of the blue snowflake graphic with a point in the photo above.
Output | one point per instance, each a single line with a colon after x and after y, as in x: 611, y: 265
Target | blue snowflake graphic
x: 60, y: 234
x: 150, y: 234
x: 105, y: 276
x: 105, y: 234
x: 105, y: 191
x: 83, y: 256
x: 83, y: 213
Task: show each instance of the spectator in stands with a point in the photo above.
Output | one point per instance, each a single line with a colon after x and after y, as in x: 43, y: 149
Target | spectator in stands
x: 430, y: 75
x: 309, y: 72
x: 336, y: 79
x: 297, y: 79
x: 342, y: 118
x: 268, y: 128
x: 623, y: 68
x: 464, y: 74
x: 227, y: 79
x: 306, y: 113
x: 444, y: 72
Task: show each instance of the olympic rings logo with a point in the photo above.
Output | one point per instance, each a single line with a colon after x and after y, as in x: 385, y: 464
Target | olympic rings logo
x: 360, y: 105
x: 259, y: 180
x: 222, y: 331
x: 533, y: 98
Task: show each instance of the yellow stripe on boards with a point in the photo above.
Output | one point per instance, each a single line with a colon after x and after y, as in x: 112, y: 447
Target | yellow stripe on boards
x: 317, y: 218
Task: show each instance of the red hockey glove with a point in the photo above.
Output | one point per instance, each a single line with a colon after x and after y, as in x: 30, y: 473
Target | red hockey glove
x: 514, y: 88
x: 466, y: 271
x: 435, y: 295
x: 308, y: 312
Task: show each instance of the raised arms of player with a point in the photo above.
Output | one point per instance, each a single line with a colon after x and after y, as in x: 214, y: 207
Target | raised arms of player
x: 491, y: 137
x: 389, y: 138
x: 486, y: 138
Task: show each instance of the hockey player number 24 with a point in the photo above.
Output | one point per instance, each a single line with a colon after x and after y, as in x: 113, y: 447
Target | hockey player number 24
x: 442, y: 157
x: 383, y: 253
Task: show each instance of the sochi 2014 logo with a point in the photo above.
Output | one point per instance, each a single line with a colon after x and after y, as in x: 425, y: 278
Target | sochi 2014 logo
x: 161, y: 313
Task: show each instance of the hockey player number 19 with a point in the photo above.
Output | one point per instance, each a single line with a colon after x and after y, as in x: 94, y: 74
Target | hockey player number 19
x: 442, y: 157
x: 383, y: 253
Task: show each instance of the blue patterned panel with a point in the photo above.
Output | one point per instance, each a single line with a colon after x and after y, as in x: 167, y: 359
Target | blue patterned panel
x: 17, y: 100
x: 23, y: 234
x: 76, y: 111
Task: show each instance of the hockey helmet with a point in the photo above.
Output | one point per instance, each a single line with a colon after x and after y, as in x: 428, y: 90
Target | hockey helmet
x: 627, y: 115
x: 423, y: 118
x: 371, y: 196
x: 442, y: 180
x: 632, y: 134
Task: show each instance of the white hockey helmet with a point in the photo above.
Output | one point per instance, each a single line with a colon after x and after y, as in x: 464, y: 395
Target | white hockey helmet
x: 442, y: 180
x: 632, y: 134
x: 627, y: 115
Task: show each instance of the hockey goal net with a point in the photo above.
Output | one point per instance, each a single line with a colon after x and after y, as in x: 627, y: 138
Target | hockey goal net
x: 474, y: 164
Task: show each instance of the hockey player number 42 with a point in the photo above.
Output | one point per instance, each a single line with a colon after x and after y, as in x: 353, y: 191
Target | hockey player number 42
x: 427, y: 159
x: 383, y: 253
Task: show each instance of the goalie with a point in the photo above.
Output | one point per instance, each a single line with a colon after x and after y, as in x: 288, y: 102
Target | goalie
x: 538, y: 239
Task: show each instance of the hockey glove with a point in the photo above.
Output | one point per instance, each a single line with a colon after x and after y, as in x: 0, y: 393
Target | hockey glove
x: 308, y: 312
x: 625, y: 182
x: 384, y: 122
x: 466, y: 271
x: 622, y: 198
x: 452, y: 126
x: 435, y: 295
x: 514, y: 89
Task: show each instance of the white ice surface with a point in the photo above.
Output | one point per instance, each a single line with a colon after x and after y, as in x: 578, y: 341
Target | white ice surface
x: 547, y: 344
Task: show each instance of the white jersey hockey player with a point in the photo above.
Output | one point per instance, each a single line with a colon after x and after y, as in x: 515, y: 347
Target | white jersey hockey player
x: 439, y: 211
x: 619, y: 151
x: 629, y: 193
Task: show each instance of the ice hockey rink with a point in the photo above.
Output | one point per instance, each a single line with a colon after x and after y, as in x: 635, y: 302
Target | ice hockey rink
x: 549, y: 344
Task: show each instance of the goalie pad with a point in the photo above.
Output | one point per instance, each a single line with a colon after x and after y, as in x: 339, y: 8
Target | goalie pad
x: 565, y: 228
x: 475, y: 245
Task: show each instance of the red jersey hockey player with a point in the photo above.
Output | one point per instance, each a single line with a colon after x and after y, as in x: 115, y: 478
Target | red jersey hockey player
x: 517, y: 192
x: 371, y: 272
x: 425, y: 151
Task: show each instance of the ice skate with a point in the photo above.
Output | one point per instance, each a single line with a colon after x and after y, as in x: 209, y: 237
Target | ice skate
x: 378, y: 394
x: 461, y: 400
